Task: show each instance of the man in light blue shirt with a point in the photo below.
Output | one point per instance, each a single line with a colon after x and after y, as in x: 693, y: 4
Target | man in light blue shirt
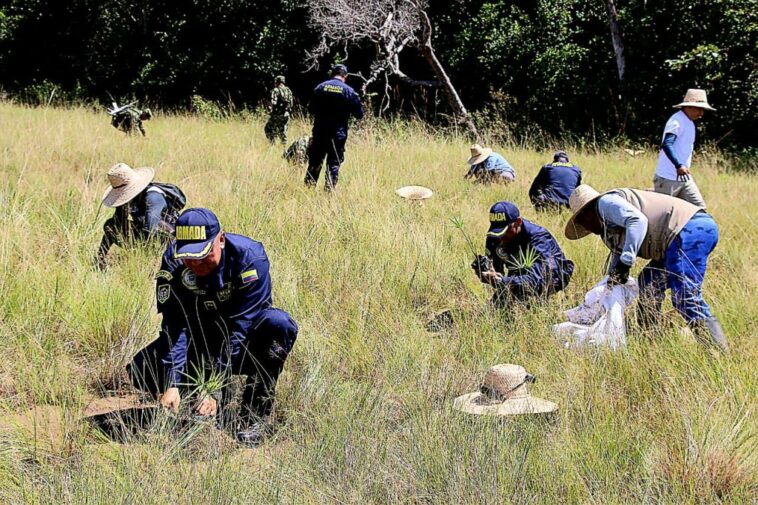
x: 488, y: 166
x: 675, y: 235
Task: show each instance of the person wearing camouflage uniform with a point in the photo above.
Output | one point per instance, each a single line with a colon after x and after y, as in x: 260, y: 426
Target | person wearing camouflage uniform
x: 297, y: 152
x: 280, y: 106
x: 130, y: 120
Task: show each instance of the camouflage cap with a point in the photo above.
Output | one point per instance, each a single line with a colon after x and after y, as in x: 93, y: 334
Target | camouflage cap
x: 279, y: 78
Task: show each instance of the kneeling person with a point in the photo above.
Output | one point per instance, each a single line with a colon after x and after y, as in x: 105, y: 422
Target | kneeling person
x: 488, y: 166
x: 214, y: 292
x: 554, y: 183
x: 525, y: 260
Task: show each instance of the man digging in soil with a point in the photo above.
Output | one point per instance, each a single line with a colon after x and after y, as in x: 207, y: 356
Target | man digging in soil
x: 214, y: 292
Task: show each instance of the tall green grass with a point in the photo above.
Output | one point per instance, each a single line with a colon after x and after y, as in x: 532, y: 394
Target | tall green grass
x: 364, y: 405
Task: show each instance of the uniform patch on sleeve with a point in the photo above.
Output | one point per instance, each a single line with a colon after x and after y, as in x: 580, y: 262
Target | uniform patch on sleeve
x: 164, y: 274
x: 164, y: 291
x: 249, y: 276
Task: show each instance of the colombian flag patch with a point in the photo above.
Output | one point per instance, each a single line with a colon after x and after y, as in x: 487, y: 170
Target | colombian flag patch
x: 249, y: 276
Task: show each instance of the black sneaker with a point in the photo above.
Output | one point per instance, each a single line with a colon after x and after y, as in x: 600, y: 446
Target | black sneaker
x: 253, y: 435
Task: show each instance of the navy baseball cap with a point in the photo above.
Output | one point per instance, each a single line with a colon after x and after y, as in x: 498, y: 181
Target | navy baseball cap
x: 502, y: 214
x: 340, y: 69
x: 196, y: 229
x: 560, y: 155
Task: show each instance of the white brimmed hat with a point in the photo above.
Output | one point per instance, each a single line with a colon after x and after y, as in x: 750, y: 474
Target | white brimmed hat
x: 126, y: 183
x: 583, y: 195
x: 504, y: 393
x: 478, y: 154
x: 414, y: 192
x: 695, y: 98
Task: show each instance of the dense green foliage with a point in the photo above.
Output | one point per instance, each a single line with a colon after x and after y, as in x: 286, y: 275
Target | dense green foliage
x: 544, y: 65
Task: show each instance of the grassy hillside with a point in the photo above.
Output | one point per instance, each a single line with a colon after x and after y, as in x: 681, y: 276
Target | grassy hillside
x: 365, y: 399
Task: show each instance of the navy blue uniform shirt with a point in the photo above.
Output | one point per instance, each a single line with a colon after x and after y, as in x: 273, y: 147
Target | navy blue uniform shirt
x: 556, y: 181
x: 550, y: 268
x: 332, y: 104
x: 212, y: 314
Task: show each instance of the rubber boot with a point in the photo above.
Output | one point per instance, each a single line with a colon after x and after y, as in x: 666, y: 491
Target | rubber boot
x: 709, y: 333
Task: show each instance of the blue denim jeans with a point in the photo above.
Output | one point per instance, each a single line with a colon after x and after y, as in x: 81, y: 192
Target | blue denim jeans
x: 682, y: 270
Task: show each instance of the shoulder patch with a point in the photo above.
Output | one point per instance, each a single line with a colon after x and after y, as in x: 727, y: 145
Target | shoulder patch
x: 188, y: 279
x: 164, y: 291
x: 164, y: 274
x: 249, y: 276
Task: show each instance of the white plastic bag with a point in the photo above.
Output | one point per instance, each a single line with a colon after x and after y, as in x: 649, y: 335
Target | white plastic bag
x: 600, y: 319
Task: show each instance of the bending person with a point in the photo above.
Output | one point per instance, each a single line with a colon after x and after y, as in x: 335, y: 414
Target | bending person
x: 675, y: 235
x: 144, y: 208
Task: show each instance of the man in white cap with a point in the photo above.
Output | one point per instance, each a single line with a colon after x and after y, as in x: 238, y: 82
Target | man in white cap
x: 675, y: 235
x: 672, y: 175
x: 489, y: 166
x: 143, y: 208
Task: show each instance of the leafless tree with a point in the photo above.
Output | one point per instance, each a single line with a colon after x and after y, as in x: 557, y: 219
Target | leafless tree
x: 391, y: 26
x: 618, y: 41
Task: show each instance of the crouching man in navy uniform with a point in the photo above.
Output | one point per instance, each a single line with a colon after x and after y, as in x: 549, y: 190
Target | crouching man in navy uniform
x: 525, y: 260
x: 555, y: 182
x: 214, y: 292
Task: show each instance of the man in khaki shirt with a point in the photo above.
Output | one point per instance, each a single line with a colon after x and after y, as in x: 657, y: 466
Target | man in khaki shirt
x: 675, y: 235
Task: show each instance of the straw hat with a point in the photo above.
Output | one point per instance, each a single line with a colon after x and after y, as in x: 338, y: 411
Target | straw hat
x: 478, y: 154
x: 583, y: 195
x: 126, y: 183
x: 504, y: 393
x: 695, y: 98
x: 414, y: 192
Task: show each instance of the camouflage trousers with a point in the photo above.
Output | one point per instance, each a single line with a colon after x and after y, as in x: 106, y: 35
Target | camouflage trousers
x: 276, y: 127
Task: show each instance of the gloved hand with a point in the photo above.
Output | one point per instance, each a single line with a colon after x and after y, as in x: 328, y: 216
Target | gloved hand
x: 481, y: 264
x: 619, y: 275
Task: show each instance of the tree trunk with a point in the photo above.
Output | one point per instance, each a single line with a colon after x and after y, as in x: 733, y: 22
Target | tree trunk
x: 618, y: 41
x: 426, y: 49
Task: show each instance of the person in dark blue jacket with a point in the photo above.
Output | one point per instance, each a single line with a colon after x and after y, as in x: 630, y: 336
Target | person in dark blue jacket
x: 526, y: 260
x: 332, y: 105
x: 554, y: 183
x: 214, y: 293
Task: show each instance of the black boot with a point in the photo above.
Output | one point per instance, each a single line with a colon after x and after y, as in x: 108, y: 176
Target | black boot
x: 709, y: 333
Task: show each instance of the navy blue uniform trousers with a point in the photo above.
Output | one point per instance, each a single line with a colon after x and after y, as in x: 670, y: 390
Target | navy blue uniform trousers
x: 330, y: 146
x: 261, y: 358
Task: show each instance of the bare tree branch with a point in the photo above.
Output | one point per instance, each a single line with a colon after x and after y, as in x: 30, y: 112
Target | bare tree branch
x: 390, y: 26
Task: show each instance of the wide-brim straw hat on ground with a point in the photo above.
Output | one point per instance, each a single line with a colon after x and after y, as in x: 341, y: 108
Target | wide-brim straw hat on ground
x: 504, y: 392
x: 414, y: 192
x: 478, y: 154
x: 582, y: 196
x: 695, y: 98
x: 126, y: 183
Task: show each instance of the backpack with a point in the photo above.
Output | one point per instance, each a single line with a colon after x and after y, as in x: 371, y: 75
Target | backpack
x: 175, y: 198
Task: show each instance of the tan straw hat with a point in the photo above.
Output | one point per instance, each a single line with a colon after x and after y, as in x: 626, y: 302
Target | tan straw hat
x: 504, y: 393
x: 414, y: 192
x: 695, y: 98
x: 126, y: 183
x: 583, y: 195
x: 478, y: 154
